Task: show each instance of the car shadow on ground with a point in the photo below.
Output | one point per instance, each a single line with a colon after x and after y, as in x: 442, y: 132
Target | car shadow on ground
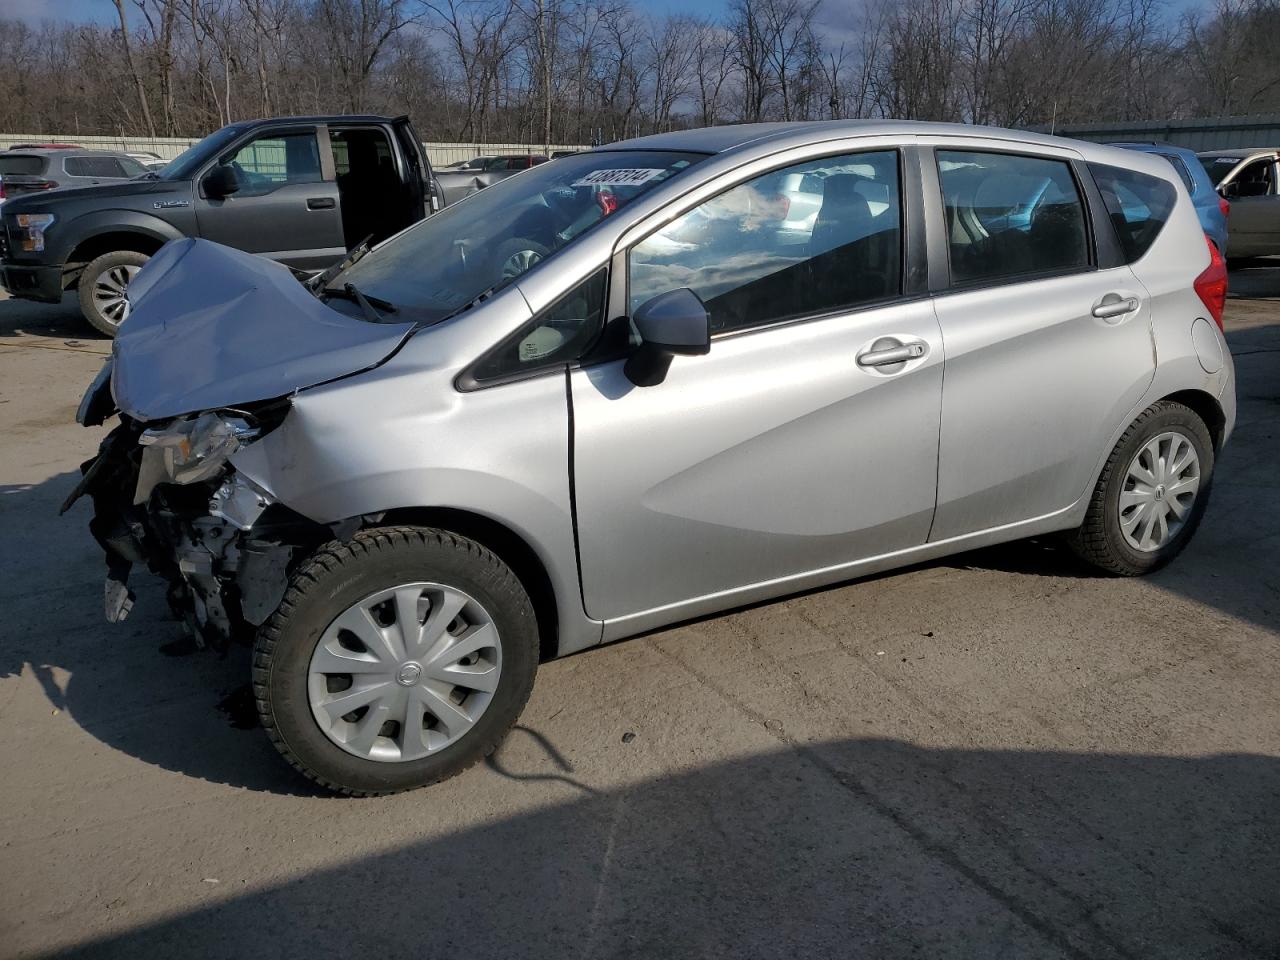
x: 52, y: 321
x: 846, y: 848
x: 1255, y: 278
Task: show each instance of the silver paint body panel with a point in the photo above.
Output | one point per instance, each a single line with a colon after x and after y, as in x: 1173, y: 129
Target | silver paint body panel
x: 774, y: 463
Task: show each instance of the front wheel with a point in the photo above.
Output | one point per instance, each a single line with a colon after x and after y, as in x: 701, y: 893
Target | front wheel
x: 104, y: 289
x: 1152, y: 493
x: 396, y: 659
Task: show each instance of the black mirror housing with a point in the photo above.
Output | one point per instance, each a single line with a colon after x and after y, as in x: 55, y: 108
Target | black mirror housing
x: 220, y: 182
x: 672, y: 323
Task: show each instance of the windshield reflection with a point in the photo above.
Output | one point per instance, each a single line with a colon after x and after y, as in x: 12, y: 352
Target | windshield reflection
x: 489, y: 239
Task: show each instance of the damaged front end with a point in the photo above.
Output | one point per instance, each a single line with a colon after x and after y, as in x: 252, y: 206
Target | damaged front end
x: 216, y: 346
x: 166, y: 497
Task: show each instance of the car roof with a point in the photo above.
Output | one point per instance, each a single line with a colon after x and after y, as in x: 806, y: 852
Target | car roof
x: 732, y: 136
x: 1241, y: 152
x: 53, y: 154
x: 330, y: 118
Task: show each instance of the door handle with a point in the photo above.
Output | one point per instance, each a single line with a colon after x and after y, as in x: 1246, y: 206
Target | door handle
x: 321, y: 203
x: 890, y: 355
x: 1113, y: 305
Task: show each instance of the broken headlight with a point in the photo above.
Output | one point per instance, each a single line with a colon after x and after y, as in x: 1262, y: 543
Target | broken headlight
x: 190, y: 450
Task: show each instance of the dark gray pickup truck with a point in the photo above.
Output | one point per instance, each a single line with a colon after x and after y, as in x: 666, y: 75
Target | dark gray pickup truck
x: 300, y: 190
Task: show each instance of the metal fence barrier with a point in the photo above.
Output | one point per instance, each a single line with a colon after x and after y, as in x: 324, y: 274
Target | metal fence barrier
x: 440, y: 153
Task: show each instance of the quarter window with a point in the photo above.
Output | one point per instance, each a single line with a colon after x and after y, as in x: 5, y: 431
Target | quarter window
x: 1137, y: 204
x: 1008, y: 216
x: 557, y: 336
x: 812, y: 238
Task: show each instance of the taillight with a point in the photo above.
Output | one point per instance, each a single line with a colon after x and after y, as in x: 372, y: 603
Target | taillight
x: 1211, y: 285
x: 2, y: 188
x: 607, y: 202
x: 1224, y: 206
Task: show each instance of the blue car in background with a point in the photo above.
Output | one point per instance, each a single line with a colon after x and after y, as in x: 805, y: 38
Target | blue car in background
x: 1211, y: 208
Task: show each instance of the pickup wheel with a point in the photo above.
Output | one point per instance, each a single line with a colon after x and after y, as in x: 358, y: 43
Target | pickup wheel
x: 396, y: 659
x: 104, y: 286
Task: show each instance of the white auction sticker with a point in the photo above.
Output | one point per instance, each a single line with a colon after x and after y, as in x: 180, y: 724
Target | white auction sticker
x: 626, y: 177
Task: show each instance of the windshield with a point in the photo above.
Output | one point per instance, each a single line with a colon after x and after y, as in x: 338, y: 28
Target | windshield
x: 486, y: 241
x: 1218, y: 167
x: 185, y: 164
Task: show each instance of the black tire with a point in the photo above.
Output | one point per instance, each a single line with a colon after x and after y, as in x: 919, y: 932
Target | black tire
x: 89, y: 305
x: 340, y: 574
x: 1099, y: 540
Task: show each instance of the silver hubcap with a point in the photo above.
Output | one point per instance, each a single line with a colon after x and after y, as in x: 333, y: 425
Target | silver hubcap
x: 110, y: 292
x: 1159, y: 489
x: 405, y: 672
x: 519, y: 262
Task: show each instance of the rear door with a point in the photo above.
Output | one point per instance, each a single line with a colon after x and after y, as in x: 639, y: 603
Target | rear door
x: 417, y: 171
x: 789, y: 449
x: 1048, y: 347
x: 287, y: 207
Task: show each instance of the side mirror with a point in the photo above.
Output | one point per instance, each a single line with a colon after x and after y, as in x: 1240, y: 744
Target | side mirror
x: 671, y: 323
x: 220, y: 182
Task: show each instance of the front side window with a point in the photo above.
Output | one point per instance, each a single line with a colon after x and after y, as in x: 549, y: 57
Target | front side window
x: 816, y: 237
x: 1008, y: 216
x: 1258, y: 179
x: 274, y: 160
x: 1137, y: 204
x: 556, y: 336
x: 476, y: 246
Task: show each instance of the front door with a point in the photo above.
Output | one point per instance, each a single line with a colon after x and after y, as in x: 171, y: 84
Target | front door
x: 1046, y: 354
x: 1253, y: 226
x: 799, y: 443
x: 285, y: 209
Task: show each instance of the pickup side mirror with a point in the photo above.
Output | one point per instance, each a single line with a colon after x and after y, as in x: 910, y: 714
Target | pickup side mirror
x: 671, y: 323
x: 220, y: 182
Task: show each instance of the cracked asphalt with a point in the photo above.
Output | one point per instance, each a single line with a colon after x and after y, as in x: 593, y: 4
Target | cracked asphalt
x: 996, y: 755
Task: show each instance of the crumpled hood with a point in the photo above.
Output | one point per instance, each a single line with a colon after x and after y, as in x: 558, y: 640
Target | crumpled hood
x: 215, y: 327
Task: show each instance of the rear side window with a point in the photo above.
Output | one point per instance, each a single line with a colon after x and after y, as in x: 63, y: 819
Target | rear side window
x: 22, y: 166
x: 1009, y: 216
x: 1138, y: 206
x: 1182, y: 170
x: 93, y: 167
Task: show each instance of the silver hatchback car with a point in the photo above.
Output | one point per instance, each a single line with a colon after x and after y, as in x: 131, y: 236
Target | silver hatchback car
x: 619, y: 391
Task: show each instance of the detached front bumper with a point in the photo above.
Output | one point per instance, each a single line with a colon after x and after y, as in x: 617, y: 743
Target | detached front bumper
x: 41, y: 282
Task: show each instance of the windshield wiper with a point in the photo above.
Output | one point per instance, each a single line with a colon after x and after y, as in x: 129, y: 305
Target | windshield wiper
x: 321, y: 280
x: 349, y: 291
x: 475, y: 301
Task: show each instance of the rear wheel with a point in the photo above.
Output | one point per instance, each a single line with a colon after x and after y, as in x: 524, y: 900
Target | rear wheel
x: 1151, y: 494
x: 104, y: 288
x: 396, y: 660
